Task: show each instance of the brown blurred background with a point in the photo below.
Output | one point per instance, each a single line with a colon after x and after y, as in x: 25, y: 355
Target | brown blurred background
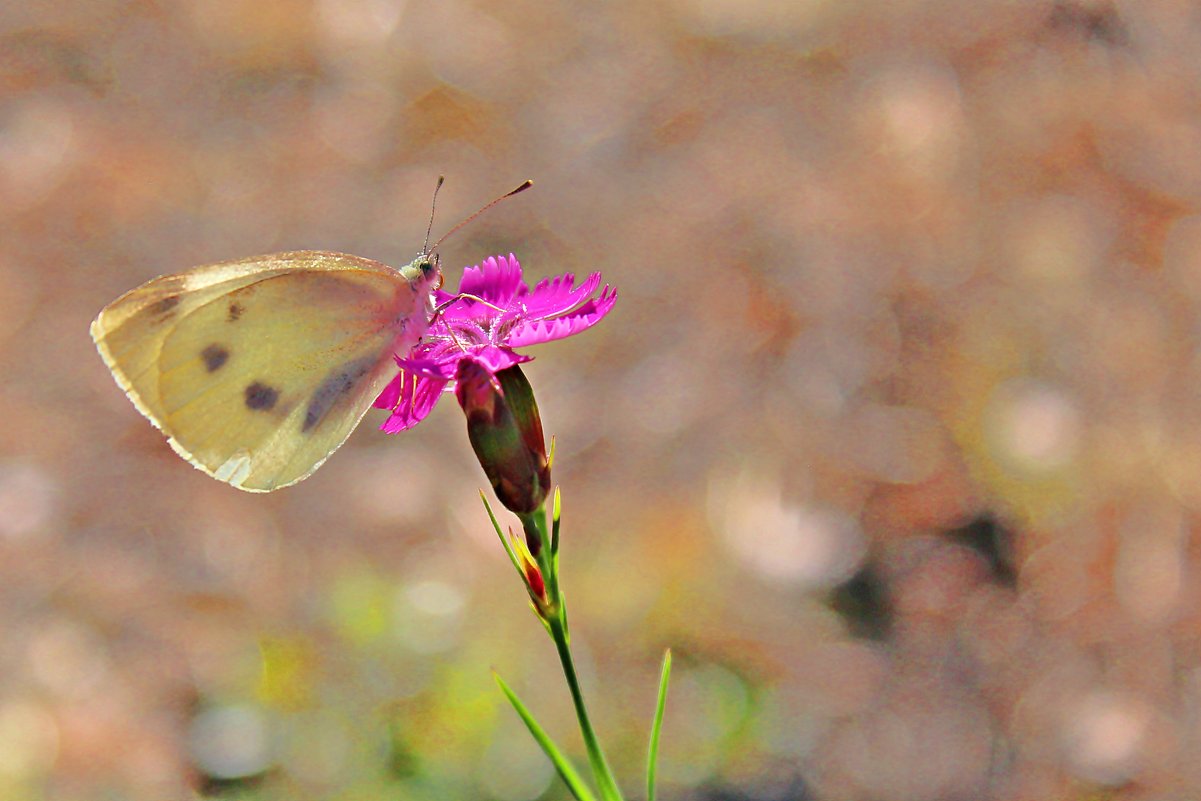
x: 894, y: 434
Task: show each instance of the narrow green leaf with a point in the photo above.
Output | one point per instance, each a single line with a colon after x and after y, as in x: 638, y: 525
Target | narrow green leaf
x: 504, y: 541
x: 566, y: 771
x: 652, y: 758
x: 552, y: 561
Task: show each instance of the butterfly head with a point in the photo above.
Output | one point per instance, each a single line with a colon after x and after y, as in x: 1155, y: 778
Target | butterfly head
x: 424, y: 271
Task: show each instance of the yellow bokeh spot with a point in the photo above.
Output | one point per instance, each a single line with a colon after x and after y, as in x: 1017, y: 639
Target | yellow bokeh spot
x: 286, y: 677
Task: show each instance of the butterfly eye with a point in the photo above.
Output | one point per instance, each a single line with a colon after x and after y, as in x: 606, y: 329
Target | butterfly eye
x: 429, y: 267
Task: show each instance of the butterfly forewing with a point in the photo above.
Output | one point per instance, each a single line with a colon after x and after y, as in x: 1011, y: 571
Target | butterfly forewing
x: 129, y: 332
x: 257, y: 378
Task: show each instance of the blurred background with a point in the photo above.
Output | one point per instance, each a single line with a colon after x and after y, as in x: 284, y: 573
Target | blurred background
x: 894, y: 434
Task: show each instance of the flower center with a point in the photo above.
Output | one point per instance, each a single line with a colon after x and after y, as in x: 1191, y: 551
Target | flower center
x: 490, y: 330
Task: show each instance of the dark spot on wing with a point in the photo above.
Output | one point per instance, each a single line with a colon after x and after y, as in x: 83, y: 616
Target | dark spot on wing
x: 163, y: 308
x: 165, y: 304
x: 336, y: 384
x: 214, y: 357
x: 235, y: 312
x: 261, y: 397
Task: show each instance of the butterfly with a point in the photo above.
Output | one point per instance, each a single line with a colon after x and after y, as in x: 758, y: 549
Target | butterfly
x: 258, y: 369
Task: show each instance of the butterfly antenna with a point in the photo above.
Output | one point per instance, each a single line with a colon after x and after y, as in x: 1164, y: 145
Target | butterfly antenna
x: 519, y: 189
x: 433, y: 205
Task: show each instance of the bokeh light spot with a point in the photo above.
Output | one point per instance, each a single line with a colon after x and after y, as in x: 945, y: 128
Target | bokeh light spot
x: 29, y: 739
x: 230, y: 742
x: 1033, y: 426
x: 783, y: 541
x: 28, y: 500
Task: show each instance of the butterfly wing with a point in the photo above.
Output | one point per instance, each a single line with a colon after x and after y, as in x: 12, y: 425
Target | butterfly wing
x: 258, y: 370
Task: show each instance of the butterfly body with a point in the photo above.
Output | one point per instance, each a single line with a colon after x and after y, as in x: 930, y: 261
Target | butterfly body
x: 258, y: 369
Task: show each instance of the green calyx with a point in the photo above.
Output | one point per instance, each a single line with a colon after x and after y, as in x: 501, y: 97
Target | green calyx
x: 505, y: 431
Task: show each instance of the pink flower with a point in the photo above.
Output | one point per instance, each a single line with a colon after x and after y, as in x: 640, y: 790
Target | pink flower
x: 502, y: 313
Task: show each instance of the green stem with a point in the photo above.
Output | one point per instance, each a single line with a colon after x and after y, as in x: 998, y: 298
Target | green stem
x: 556, y: 626
x: 596, y: 757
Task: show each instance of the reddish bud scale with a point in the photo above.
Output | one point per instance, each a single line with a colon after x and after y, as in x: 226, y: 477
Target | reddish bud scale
x: 533, y: 577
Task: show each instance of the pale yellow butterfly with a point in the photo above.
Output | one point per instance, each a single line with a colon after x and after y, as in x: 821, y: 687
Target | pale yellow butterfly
x: 258, y: 369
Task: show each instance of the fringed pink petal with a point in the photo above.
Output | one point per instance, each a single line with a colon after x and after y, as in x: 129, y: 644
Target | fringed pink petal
x: 553, y: 297
x: 496, y: 279
x: 469, y: 309
x: 432, y: 358
x: 439, y: 360
x: 416, y: 398
x: 536, y: 331
x: 429, y: 368
x: 498, y: 358
x: 391, y: 394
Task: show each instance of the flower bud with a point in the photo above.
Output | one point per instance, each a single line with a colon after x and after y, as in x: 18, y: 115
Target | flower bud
x: 506, y: 433
x: 534, y: 582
